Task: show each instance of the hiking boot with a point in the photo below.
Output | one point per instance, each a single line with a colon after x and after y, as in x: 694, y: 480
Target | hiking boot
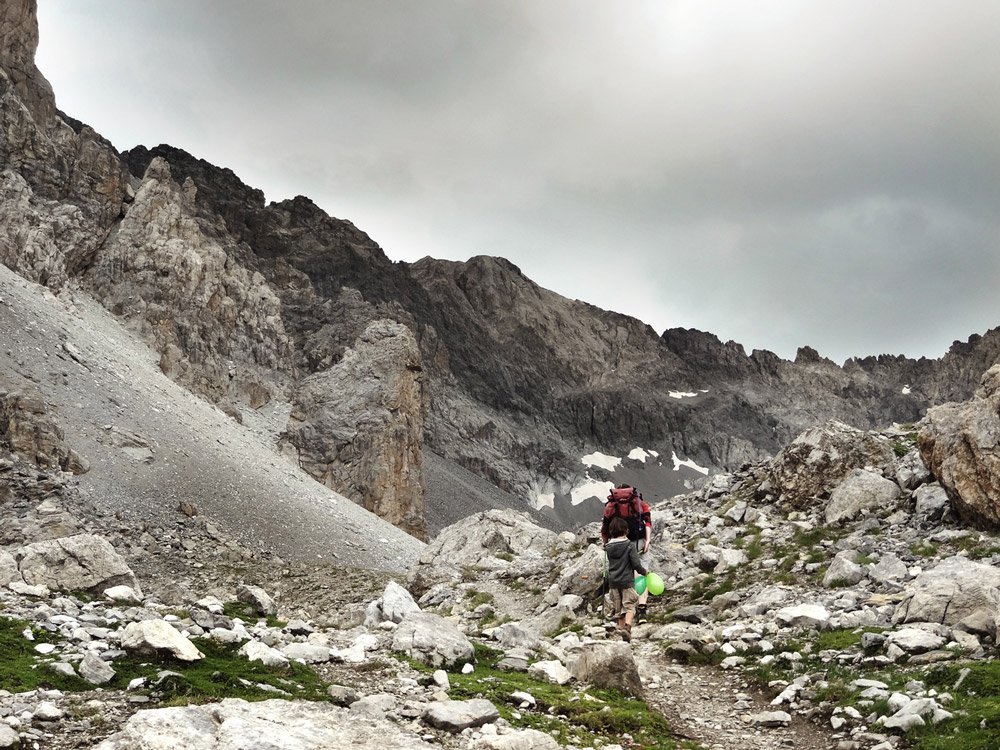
x: 640, y: 614
x: 626, y: 633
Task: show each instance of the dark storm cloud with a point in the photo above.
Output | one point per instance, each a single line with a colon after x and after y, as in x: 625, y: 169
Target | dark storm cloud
x: 779, y: 173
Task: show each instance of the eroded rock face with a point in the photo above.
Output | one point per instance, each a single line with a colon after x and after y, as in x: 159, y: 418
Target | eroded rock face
x: 61, y: 185
x: 27, y: 430
x: 358, y: 427
x: 216, y: 324
x: 955, y: 589
x: 819, y: 459
x: 960, y: 442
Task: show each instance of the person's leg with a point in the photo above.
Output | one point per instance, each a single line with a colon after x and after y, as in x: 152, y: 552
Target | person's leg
x: 617, y: 613
x: 640, y: 607
x: 629, y: 599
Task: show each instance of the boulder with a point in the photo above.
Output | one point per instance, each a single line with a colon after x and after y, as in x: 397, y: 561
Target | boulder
x: 843, y: 570
x: 931, y: 502
x: 961, y: 445
x: 861, y: 489
x: 8, y: 569
x: 551, y: 670
x: 915, y: 640
x: 605, y: 664
x: 888, y: 568
x: 432, y: 640
x: 803, y: 616
x: 477, y: 541
x: 955, y: 589
x: 512, y: 635
x: 307, y: 653
x: 764, y: 601
x: 269, y: 657
x: 9, y: 738
x: 149, y: 637
x: 523, y: 739
x: 394, y: 604
x: 584, y: 575
x: 819, y: 459
x: 455, y: 716
x: 76, y: 563
x: 258, y: 599
x: 911, y: 472
x: 95, y: 670
x: 264, y: 725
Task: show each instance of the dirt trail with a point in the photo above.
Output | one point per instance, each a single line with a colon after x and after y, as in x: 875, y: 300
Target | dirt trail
x: 712, y: 707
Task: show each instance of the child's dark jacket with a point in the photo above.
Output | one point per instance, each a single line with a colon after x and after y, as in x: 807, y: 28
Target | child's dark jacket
x: 623, y: 561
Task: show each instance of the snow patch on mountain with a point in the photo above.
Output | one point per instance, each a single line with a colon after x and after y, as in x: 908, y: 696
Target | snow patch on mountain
x: 678, y: 463
x: 601, y: 460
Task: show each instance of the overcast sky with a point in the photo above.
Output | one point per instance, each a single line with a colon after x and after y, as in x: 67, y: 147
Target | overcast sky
x: 780, y: 173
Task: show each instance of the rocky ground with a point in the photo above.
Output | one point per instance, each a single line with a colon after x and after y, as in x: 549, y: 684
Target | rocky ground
x: 776, y: 628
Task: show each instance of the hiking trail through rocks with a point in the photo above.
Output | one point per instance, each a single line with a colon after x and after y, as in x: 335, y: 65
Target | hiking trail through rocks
x: 715, y: 708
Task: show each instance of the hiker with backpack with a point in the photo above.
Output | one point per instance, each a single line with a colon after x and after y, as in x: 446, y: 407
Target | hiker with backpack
x: 623, y: 564
x: 626, y: 502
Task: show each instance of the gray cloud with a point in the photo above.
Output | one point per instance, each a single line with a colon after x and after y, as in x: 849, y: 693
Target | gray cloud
x: 781, y: 174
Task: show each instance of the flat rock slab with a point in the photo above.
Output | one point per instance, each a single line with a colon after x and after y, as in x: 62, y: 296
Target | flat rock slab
x: 454, y: 716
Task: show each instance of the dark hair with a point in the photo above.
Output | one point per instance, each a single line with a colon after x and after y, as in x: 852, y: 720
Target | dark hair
x: 617, y: 527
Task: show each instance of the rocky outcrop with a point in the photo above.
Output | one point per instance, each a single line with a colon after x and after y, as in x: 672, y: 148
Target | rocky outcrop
x: 61, y: 187
x: 359, y: 426
x: 482, y: 540
x: 819, y: 459
x: 956, y: 589
x: 255, y: 726
x: 216, y: 324
x: 961, y: 445
x: 27, y: 429
x: 77, y: 563
x: 244, y: 300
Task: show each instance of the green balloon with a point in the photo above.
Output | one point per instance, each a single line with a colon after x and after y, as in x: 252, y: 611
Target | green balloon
x: 655, y: 584
x: 640, y: 584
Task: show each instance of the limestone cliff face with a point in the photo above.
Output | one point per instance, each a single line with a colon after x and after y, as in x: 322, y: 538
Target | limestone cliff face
x: 177, y: 279
x: 61, y: 188
x: 358, y: 427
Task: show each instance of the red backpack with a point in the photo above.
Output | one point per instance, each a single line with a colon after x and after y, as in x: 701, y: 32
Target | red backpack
x: 625, y: 502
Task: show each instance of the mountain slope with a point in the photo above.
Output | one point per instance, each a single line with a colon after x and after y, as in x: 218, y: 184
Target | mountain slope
x: 152, y: 445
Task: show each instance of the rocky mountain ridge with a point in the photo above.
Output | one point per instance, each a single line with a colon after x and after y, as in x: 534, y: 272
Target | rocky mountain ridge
x: 248, y: 303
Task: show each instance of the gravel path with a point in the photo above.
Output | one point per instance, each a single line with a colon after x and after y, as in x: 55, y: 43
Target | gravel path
x: 714, y: 708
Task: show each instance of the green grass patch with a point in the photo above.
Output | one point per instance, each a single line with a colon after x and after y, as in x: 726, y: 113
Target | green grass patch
x: 245, y: 612
x: 978, y: 697
x: 22, y: 668
x: 923, y: 548
x: 598, y: 717
x: 477, y: 598
x: 221, y: 674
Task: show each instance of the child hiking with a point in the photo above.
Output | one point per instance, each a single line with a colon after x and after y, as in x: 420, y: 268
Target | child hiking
x: 626, y: 502
x: 623, y: 563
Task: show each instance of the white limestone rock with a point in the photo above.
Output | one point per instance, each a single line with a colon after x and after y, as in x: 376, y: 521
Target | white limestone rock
x: 158, y: 636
